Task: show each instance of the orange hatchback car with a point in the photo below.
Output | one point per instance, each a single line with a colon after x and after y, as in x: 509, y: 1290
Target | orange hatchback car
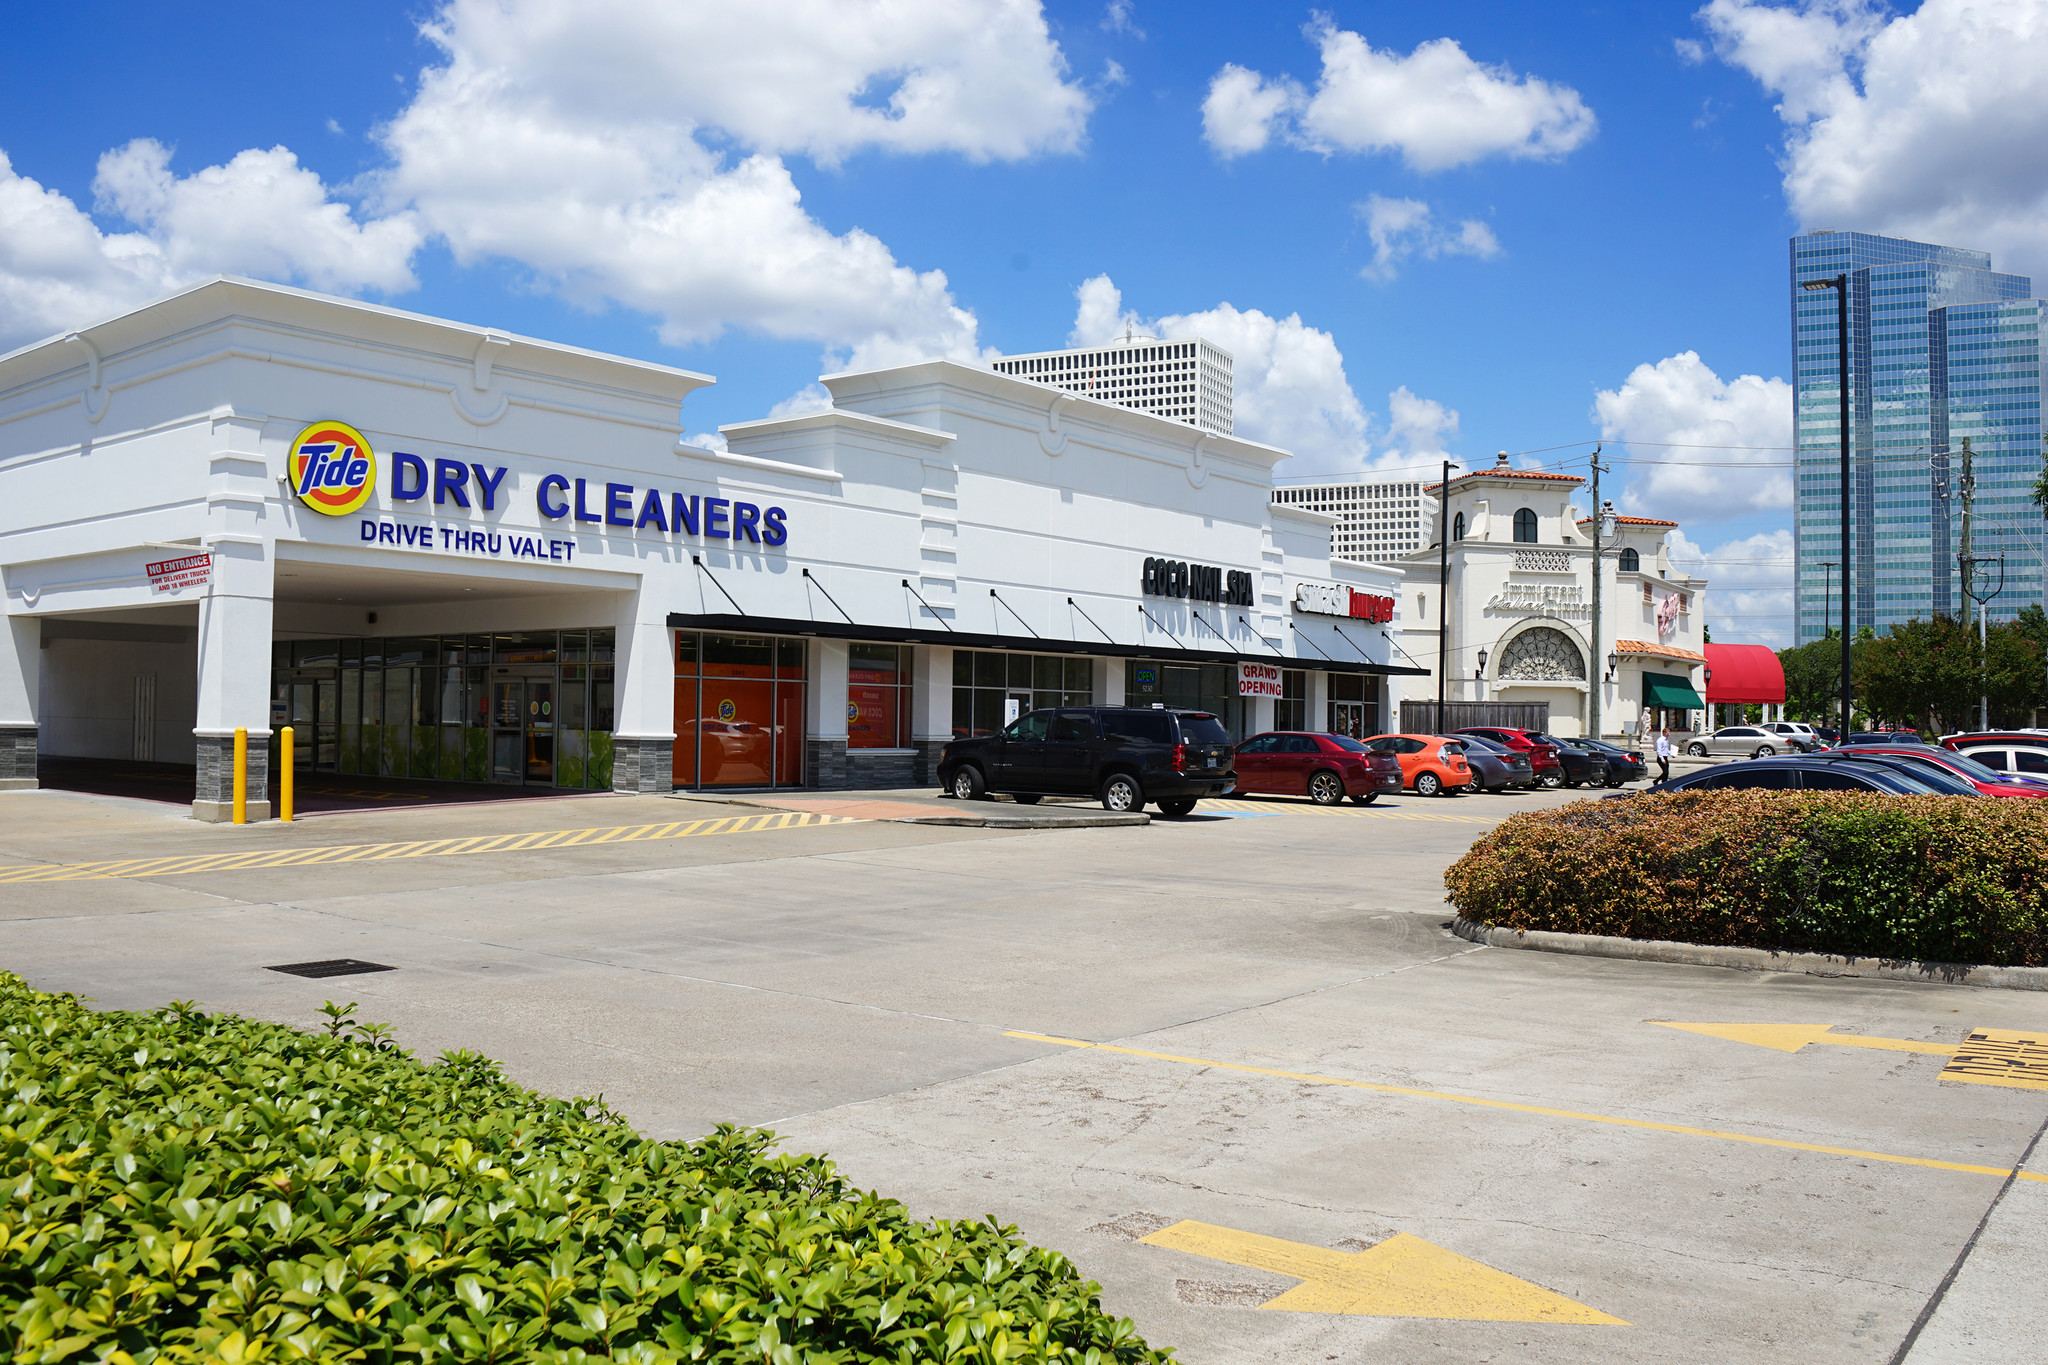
x: 1430, y: 764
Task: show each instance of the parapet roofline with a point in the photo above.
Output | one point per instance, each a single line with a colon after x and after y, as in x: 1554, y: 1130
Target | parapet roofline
x: 226, y: 296
x: 849, y: 384
x: 826, y: 418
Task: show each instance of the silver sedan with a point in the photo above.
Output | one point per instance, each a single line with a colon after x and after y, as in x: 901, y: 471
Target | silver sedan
x: 1748, y: 741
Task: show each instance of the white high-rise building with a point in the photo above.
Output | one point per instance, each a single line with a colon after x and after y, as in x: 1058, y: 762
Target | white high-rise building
x: 1378, y: 519
x: 1187, y: 381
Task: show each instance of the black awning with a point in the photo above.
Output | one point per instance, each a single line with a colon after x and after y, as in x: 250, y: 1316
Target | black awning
x: 960, y: 639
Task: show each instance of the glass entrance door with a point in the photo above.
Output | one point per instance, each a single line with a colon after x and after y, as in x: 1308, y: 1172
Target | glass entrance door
x: 315, y: 735
x: 1349, y: 718
x: 508, y: 730
x: 540, y: 731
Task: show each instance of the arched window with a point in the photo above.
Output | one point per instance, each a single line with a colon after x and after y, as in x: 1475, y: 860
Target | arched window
x: 1525, y: 527
x: 1458, y: 527
x: 1631, y: 562
x: 1541, y: 654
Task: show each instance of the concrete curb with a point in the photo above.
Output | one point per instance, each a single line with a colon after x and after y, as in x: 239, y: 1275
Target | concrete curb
x: 1754, y: 959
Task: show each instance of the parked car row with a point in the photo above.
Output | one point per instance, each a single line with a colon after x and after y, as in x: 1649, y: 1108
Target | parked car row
x: 1127, y: 756
x: 1911, y: 769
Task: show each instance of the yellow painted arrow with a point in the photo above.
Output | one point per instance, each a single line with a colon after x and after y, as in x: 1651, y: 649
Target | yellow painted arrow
x: 1402, y: 1277
x: 1792, y: 1037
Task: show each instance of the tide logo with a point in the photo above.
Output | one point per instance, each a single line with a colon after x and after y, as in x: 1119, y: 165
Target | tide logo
x: 332, y: 468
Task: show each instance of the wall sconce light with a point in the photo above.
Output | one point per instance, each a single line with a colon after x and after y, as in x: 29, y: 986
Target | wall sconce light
x: 1613, y: 662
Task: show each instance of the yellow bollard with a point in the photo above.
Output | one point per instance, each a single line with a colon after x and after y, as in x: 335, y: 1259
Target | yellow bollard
x: 241, y: 774
x: 286, y: 755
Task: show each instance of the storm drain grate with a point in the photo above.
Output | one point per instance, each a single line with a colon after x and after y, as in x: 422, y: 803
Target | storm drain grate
x: 333, y: 966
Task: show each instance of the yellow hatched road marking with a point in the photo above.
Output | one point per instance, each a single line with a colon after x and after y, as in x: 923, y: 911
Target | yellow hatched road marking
x: 1401, y: 1277
x: 244, y: 860
x: 1455, y: 1098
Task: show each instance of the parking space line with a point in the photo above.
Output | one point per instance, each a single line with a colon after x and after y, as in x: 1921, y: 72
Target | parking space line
x: 247, y: 860
x: 1683, y: 1130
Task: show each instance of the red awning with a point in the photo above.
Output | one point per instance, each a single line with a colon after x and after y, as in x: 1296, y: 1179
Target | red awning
x: 1744, y: 673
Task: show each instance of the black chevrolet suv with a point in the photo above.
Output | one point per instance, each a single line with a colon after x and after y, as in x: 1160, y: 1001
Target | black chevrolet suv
x: 1126, y: 755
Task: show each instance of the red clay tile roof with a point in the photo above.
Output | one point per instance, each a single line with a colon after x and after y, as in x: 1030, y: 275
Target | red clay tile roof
x: 1496, y: 472
x: 1661, y: 651
x: 1632, y: 521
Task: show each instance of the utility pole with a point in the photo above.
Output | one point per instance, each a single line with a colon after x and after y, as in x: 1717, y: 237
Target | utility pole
x: 1594, y: 675
x: 1443, y: 591
x: 1968, y: 485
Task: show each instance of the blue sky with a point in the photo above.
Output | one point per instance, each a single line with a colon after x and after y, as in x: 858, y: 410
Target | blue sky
x: 1456, y: 229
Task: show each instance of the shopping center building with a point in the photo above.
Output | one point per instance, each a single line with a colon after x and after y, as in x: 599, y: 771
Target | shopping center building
x: 440, y: 551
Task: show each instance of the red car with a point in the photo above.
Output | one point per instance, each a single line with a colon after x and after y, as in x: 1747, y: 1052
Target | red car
x: 1324, y: 768
x: 1543, y: 759
x: 1989, y: 781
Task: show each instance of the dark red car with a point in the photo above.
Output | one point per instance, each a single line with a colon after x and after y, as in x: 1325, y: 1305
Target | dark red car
x: 1324, y: 768
x: 1989, y: 781
x: 1543, y: 759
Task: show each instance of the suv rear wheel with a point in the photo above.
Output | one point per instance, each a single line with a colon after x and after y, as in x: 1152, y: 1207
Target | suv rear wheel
x: 1122, y: 792
x: 1428, y: 784
x: 967, y: 783
x: 1025, y: 798
x: 1179, y: 805
x: 1324, y: 788
x: 1366, y: 800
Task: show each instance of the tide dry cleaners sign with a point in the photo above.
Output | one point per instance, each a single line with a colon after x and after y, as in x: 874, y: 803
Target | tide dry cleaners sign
x: 1334, y: 599
x: 334, y: 471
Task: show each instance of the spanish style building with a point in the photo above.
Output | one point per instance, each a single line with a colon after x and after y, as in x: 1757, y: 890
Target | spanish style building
x: 1518, y: 622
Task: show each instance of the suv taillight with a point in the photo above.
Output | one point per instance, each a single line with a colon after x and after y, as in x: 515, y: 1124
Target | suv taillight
x: 1180, y: 758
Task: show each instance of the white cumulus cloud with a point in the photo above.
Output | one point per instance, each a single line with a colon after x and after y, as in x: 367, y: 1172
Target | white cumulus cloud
x: 1723, y: 444
x: 1749, y: 585
x: 620, y: 154
x: 1931, y: 125
x: 1435, y: 107
x: 1401, y: 228
x: 590, y: 145
x: 1290, y: 388
x: 261, y: 214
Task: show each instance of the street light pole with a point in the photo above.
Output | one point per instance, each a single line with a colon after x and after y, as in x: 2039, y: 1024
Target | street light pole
x: 1840, y: 284
x: 1443, y: 591
x: 1593, y: 700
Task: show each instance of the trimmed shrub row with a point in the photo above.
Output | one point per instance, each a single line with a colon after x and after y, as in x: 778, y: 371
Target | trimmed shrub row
x: 1931, y: 878
x: 185, y: 1187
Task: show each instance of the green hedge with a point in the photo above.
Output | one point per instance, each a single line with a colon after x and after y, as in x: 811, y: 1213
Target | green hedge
x: 1933, y: 878
x: 185, y: 1187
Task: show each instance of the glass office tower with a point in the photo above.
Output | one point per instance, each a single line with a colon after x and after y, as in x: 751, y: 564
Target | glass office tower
x: 1940, y: 347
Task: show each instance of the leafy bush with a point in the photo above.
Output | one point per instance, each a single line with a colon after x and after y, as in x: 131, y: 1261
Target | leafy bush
x: 1932, y: 878
x: 184, y: 1187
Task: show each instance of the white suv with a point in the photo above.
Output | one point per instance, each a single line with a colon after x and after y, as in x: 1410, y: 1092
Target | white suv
x: 1798, y: 733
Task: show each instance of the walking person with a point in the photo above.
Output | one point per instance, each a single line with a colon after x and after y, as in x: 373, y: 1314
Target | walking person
x: 1664, y: 755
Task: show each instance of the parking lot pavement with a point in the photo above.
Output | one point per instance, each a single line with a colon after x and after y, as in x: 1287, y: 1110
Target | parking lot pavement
x: 1232, y: 1064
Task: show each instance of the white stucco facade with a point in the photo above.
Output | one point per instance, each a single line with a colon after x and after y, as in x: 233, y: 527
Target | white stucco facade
x: 533, y: 520
x: 1521, y: 596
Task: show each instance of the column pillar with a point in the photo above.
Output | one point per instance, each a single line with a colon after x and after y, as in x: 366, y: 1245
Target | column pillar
x: 1108, y: 676
x: 234, y: 680
x: 20, y: 701
x: 643, y: 695
x: 1318, y: 700
x: 825, y: 705
x: 931, y: 721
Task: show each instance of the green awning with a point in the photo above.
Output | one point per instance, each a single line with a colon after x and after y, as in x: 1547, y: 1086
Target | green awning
x: 1661, y: 689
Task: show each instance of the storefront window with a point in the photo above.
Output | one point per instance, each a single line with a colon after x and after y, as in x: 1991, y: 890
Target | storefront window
x: 1290, y: 712
x: 878, y: 697
x: 455, y: 708
x: 739, y: 710
x: 1354, y: 707
x: 1188, y: 687
x: 992, y: 689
